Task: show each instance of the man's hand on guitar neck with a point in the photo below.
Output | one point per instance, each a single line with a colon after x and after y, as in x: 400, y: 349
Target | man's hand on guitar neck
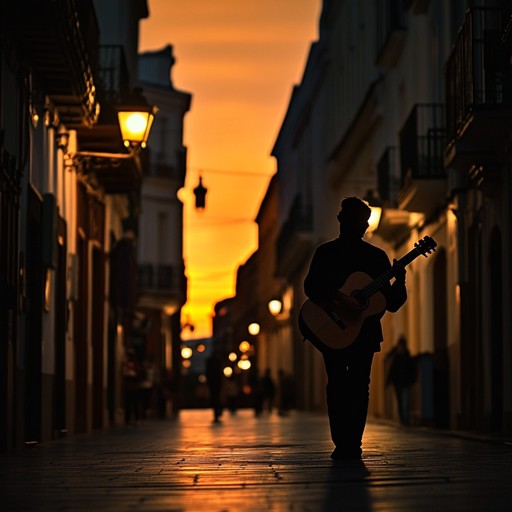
x: 399, y: 272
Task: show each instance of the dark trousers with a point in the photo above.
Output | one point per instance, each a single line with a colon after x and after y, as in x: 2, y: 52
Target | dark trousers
x: 348, y: 374
x: 215, y: 401
x: 403, y: 394
x: 131, y: 405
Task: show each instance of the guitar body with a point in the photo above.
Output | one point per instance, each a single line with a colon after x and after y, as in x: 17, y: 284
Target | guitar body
x: 335, y: 326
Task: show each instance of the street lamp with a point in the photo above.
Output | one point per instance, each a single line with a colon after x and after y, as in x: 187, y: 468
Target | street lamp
x: 244, y: 364
x: 275, y: 307
x: 135, y: 124
x: 244, y: 346
x: 186, y: 352
x: 135, y: 120
x: 254, y: 329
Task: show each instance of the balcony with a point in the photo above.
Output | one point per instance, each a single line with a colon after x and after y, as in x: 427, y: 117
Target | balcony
x: 295, y: 239
x: 161, y: 286
x: 60, y: 40
x: 113, y: 73
x: 422, y: 142
x: 389, y: 177
x: 479, y: 88
x: 394, y: 222
x: 112, y: 77
x: 177, y: 172
x: 391, y: 27
x: 418, y: 6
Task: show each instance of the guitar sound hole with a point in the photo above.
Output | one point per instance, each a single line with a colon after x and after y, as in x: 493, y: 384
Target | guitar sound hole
x: 360, y: 298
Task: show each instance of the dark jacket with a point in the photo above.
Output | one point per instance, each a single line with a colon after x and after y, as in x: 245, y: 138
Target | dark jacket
x: 332, y: 264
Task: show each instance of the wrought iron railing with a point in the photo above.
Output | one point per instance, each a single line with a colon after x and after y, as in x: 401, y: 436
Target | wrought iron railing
x: 113, y: 72
x: 61, y: 39
x: 389, y: 176
x: 161, y: 278
x: 422, y: 143
x: 163, y: 169
x: 479, y: 69
x: 391, y: 18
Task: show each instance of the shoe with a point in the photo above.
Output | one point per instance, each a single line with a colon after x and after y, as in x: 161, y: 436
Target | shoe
x: 339, y: 454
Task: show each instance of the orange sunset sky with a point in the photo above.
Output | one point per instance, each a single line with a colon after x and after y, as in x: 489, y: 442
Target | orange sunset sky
x: 239, y: 60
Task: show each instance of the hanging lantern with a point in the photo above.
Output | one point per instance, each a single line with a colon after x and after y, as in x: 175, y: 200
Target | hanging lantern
x: 200, y: 193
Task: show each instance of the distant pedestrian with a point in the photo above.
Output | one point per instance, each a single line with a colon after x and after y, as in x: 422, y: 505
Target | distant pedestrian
x: 232, y: 394
x: 214, y: 378
x: 402, y: 375
x: 170, y: 394
x: 132, y: 374
x: 147, y: 384
x: 257, y: 393
x: 268, y: 390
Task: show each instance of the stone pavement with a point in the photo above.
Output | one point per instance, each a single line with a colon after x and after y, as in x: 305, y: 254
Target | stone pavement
x: 269, y: 463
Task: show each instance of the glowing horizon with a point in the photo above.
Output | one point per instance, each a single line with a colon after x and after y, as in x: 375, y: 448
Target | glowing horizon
x: 240, y: 63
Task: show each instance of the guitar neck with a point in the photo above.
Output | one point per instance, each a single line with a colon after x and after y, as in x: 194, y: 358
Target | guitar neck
x: 373, y: 287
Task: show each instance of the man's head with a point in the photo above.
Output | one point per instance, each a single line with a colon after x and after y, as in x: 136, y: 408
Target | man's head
x: 353, y: 217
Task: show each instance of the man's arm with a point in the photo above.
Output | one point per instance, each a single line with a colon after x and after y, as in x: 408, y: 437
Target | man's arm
x: 398, y: 292
x: 319, y: 284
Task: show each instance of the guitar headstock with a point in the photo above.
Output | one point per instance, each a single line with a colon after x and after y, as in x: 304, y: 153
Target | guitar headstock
x: 426, y: 245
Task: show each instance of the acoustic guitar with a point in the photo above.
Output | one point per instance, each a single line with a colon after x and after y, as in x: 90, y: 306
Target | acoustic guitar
x: 335, y: 324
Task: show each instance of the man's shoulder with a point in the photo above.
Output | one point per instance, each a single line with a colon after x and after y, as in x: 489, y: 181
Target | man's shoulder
x: 330, y: 243
x: 358, y: 244
x: 360, y: 247
x: 373, y: 248
x: 328, y: 246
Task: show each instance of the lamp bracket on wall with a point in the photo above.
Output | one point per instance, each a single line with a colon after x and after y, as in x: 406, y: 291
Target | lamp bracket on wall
x: 95, y: 159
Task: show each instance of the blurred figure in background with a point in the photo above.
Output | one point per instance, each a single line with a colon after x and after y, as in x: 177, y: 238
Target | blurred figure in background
x: 232, y: 393
x: 268, y: 391
x: 402, y: 375
x: 132, y: 374
x: 170, y: 394
x: 214, y: 378
x: 147, y: 384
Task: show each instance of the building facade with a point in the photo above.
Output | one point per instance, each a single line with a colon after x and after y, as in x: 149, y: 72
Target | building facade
x: 70, y: 204
x: 162, y: 284
x: 410, y: 100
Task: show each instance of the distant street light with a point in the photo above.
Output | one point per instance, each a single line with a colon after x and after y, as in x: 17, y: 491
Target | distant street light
x: 254, y: 329
x: 245, y: 346
x: 275, y: 306
x: 244, y: 364
x: 186, y: 352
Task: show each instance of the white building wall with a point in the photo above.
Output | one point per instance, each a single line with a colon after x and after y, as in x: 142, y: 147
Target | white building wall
x: 340, y: 71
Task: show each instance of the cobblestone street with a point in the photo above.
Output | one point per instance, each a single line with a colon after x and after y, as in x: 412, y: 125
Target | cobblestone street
x: 247, y: 463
